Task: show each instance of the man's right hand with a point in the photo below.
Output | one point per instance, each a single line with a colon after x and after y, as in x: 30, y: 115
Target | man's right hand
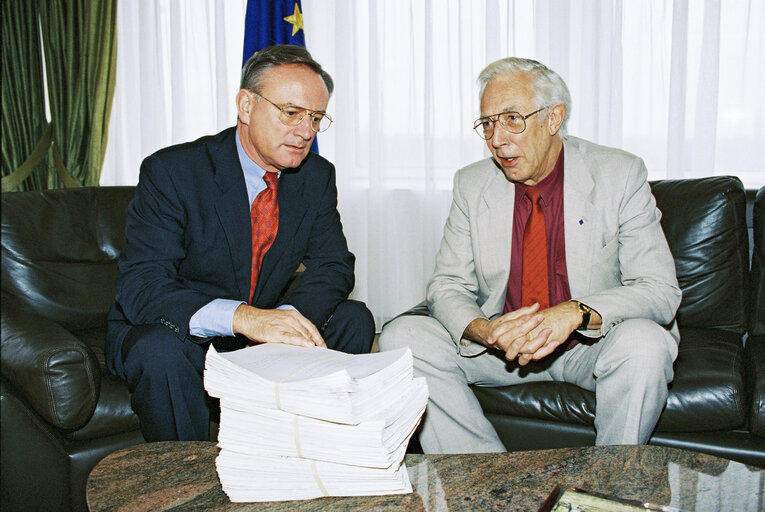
x: 509, y: 332
x: 276, y: 326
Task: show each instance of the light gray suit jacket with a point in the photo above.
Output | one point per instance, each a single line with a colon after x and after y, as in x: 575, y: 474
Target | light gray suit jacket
x: 617, y: 256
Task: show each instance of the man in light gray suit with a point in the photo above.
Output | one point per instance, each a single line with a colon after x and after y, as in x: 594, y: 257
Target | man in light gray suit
x: 553, y: 266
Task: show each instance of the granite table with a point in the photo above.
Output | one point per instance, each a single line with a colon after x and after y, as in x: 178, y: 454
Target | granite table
x: 181, y: 476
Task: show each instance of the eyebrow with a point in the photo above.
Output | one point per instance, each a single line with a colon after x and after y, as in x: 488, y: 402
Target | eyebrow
x: 503, y: 111
x: 304, y: 108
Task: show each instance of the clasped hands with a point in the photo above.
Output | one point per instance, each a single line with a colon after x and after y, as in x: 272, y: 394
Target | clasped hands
x: 276, y: 326
x: 527, y: 334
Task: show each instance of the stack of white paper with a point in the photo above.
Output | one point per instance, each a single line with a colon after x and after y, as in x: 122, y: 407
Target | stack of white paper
x: 299, y: 423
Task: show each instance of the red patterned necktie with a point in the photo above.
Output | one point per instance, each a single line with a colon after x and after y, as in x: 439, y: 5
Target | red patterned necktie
x: 264, y: 216
x: 534, y: 280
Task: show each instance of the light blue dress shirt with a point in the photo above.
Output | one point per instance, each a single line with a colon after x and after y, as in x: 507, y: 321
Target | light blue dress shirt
x: 216, y: 317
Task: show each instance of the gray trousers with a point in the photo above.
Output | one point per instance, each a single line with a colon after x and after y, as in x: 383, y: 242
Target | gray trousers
x: 628, y: 369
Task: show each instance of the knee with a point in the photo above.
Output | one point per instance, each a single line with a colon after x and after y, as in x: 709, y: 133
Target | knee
x: 362, y: 318
x: 351, y: 328
x: 155, y: 352
x: 403, y: 331
x: 433, y: 351
x: 640, y: 345
x: 393, y: 334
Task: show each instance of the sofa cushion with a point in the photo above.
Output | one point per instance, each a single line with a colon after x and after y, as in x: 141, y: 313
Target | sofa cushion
x: 113, y: 413
x: 704, y: 221
x: 708, y: 391
x: 755, y: 359
x: 58, y: 375
x: 550, y: 401
x: 62, y: 261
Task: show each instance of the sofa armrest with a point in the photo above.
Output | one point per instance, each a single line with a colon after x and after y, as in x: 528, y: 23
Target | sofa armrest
x: 754, y: 355
x: 57, y: 374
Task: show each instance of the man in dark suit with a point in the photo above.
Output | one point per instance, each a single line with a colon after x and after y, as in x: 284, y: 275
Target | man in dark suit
x: 216, y: 231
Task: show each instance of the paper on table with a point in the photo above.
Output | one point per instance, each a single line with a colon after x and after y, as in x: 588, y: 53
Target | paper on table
x: 299, y: 423
x: 279, y: 362
x: 375, y: 443
x: 317, y: 382
x: 250, y: 478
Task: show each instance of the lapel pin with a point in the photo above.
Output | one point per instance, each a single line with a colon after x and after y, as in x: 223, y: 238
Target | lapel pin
x: 581, y: 222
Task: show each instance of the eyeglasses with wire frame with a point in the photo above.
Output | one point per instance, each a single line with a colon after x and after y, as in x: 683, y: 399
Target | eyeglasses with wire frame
x: 514, y: 122
x: 292, y: 115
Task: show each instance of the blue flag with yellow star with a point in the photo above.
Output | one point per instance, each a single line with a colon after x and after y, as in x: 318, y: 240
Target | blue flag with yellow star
x: 269, y: 22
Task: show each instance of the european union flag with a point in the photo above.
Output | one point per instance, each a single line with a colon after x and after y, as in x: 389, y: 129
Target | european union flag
x: 269, y: 22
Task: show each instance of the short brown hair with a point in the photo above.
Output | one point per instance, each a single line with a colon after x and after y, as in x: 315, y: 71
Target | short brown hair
x: 277, y: 55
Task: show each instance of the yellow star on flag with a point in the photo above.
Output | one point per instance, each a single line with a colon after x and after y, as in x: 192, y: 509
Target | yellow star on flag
x: 296, y: 19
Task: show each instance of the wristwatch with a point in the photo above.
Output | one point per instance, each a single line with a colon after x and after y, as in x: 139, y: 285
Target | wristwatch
x: 586, y: 311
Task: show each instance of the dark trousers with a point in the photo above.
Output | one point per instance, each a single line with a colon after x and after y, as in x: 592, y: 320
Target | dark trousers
x: 165, y: 374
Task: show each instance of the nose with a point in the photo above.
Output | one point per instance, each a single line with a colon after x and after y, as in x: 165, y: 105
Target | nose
x: 303, y: 128
x: 500, y: 137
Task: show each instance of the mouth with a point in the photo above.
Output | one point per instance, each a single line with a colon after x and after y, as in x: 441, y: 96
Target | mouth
x: 507, y: 162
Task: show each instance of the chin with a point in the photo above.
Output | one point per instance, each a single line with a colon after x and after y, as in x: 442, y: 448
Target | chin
x: 292, y: 162
x: 514, y: 175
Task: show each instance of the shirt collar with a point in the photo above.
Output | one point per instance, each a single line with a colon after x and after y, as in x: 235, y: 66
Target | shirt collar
x: 249, y: 167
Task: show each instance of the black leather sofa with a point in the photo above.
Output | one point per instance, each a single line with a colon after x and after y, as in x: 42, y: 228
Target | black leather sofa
x: 60, y: 410
x: 716, y: 402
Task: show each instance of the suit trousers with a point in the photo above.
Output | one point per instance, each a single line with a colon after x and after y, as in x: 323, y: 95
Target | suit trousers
x: 165, y: 374
x: 628, y: 369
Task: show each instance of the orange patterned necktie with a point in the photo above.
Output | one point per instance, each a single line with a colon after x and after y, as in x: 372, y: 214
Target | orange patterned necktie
x: 534, y: 280
x: 264, y: 216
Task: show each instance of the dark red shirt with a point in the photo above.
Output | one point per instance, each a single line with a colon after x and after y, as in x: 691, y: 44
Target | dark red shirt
x: 551, y: 192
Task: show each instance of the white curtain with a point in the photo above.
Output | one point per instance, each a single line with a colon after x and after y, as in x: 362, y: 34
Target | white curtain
x: 676, y: 82
x: 178, y: 64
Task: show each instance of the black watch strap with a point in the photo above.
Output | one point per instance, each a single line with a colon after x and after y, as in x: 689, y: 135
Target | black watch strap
x: 586, y: 312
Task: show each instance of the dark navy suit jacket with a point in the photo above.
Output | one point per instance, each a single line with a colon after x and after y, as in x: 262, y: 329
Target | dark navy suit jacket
x: 189, y: 241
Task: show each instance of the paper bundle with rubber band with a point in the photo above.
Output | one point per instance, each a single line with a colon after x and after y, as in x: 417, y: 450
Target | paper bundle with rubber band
x: 300, y: 423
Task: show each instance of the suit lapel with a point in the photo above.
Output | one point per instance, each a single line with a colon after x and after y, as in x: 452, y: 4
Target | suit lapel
x: 579, y: 220
x: 233, y: 209
x: 495, y: 229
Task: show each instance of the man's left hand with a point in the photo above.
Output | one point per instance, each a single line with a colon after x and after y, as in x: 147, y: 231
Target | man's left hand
x: 561, y: 320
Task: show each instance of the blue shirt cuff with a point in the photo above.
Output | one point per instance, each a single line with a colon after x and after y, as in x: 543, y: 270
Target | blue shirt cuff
x: 214, y: 319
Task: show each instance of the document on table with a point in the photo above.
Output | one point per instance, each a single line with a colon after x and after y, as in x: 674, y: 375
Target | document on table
x: 317, y: 382
x: 299, y: 423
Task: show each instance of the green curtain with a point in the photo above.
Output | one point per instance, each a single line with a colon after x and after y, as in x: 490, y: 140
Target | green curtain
x: 80, y: 44
x: 23, y: 102
x: 80, y: 47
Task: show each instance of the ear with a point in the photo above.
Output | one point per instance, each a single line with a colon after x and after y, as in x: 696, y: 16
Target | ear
x: 555, y: 117
x: 244, y: 103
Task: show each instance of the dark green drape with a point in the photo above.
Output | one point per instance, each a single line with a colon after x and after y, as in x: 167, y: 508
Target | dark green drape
x: 23, y: 101
x: 80, y: 47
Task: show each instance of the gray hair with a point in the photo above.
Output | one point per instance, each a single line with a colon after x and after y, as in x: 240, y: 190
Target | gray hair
x: 277, y: 55
x: 549, y: 87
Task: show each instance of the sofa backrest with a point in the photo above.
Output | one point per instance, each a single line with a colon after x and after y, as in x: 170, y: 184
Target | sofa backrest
x: 60, y: 250
x: 704, y: 220
x: 757, y: 316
